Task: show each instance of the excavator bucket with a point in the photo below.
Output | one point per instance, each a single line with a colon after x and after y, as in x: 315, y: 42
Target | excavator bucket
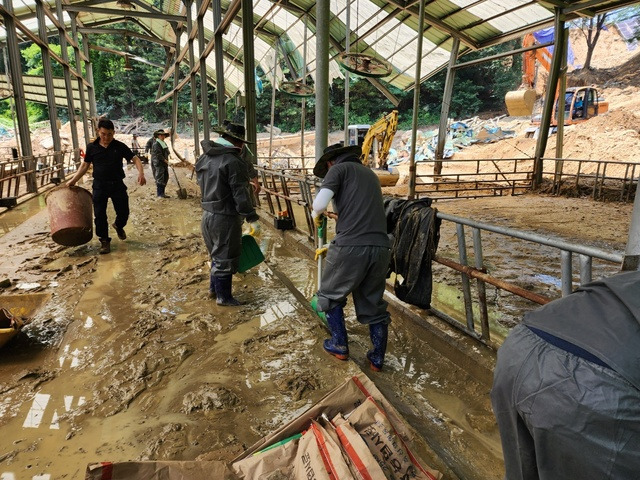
x: 520, y: 102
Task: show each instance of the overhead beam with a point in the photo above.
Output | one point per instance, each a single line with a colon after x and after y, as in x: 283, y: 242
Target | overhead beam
x: 129, y: 13
x: 502, y: 55
x: 436, y: 22
x: 229, y: 16
x: 336, y: 44
x: 167, y: 66
x: 47, y: 11
x: 150, y: 32
x: 129, y: 33
x: 146, y: 6
x: 35, y: 39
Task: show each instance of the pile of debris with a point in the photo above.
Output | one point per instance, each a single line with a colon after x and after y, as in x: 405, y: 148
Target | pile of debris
x: 460, y: 134
x: 138, y: 126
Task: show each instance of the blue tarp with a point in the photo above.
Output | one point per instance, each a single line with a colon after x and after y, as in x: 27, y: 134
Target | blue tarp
x: 547, y: 35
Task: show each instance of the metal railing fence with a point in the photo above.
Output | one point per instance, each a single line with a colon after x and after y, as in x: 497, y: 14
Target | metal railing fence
x: 477, y: 178
x: 542, y: 247
x: 27, y: 175
x: 593, y: 177
x: 291, y: 193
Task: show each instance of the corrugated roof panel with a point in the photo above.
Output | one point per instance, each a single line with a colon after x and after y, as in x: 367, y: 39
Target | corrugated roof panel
x: 522, y: 16
x: 475, y: 22
x: 35, y: 90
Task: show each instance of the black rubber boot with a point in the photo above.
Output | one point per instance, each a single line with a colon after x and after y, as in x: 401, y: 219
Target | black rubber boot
x: 212, y: 286
x: 223, y: 291
x: 337, y: 345
x: 378, y: 334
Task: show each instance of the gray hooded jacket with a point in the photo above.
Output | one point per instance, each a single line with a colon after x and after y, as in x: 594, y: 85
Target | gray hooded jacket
x: 224, y: 182
x: 603, y: 318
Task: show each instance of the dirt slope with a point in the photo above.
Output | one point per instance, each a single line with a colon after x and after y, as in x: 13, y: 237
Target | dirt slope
x: 613, y: 136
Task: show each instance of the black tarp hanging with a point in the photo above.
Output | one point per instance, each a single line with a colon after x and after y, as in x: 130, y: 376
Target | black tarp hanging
x: 416, y: 233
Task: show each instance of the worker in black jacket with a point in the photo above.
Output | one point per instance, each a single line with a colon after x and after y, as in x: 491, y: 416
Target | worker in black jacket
x: 226, y: 202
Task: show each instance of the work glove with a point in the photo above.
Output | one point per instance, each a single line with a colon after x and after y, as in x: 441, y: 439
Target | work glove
x: 318, y: 220
x: 254, y: 229
x: 320, y: 252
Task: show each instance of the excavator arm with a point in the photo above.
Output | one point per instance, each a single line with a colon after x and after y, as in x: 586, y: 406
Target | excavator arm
x: 520, y: 102
x: 382, y: 131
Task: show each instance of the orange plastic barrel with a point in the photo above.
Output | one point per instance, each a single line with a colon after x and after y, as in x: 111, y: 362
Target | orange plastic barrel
x: 70, y: 215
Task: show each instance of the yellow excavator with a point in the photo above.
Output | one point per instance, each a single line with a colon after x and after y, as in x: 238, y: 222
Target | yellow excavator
x: 382, y: 132
x: 520, y: 102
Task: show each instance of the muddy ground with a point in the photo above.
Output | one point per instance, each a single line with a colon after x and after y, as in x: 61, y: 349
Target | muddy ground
x: 130, y: 359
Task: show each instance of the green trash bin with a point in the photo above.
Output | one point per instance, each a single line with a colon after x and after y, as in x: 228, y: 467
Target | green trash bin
x: 251, y: 254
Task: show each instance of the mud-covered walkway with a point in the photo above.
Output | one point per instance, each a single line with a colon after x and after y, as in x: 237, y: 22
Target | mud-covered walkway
x: 130, y: 360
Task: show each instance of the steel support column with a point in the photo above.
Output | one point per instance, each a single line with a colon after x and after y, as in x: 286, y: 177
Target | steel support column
x: 13, y: 49
x: 562, y: 88
x: 192, y: 80
x: 446, y: 105
x: 347, y: 46
x: 249, y: 76
x: 48, y: 83
x: 204, y: 84
x: 93, y: 109
x: 219, y: 57
x: 67, y: 80
x: 303, y: 106
x: 323, y: 16
x: 273, y: 96
x: 631, y: 260
x: 174, y: 98
x: 83, y: 103
x: 416, y: 105
x: 547, y: 110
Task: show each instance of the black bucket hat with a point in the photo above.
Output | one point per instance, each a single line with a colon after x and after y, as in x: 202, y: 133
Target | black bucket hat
x: 333, y: 151
x: 161, y: 132
x: 232, y: 130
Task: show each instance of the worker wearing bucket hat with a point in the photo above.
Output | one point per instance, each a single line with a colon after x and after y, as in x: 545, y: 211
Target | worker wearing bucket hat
x: 358, y: 258
x: 226, y: 202
x: 253, y: 174
x: 160, y: 162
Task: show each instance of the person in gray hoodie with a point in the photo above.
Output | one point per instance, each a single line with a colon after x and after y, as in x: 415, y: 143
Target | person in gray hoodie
x: 566, y: 389
x: 226, y: 202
